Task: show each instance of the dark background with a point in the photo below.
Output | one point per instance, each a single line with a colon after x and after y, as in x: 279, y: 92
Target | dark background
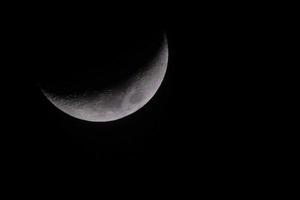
x: 192, y: 118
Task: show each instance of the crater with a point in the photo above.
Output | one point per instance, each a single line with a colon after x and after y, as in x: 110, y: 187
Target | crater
x: 136, y: 97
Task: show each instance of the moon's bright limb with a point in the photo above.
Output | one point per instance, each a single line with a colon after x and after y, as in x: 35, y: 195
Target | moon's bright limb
x: 119, y: 101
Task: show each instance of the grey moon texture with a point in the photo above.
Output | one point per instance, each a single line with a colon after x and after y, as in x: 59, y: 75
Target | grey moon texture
x: 119, y: 101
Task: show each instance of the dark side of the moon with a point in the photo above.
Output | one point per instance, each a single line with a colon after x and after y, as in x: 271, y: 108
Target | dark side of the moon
x: 78, y: 59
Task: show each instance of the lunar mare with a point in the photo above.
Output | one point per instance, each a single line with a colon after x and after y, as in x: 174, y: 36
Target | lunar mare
x: 121, y: 100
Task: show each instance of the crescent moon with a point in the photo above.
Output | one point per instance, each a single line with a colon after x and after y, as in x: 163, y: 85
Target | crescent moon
x: 118, y: 101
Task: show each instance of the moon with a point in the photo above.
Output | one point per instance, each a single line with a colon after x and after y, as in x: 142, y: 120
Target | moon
x: 120, y: 99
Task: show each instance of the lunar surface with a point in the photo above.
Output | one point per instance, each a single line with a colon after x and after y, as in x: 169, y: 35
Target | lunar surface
x: 120, y: 100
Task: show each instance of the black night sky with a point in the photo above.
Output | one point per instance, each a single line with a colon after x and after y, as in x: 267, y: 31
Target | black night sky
x: 188, y: 120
